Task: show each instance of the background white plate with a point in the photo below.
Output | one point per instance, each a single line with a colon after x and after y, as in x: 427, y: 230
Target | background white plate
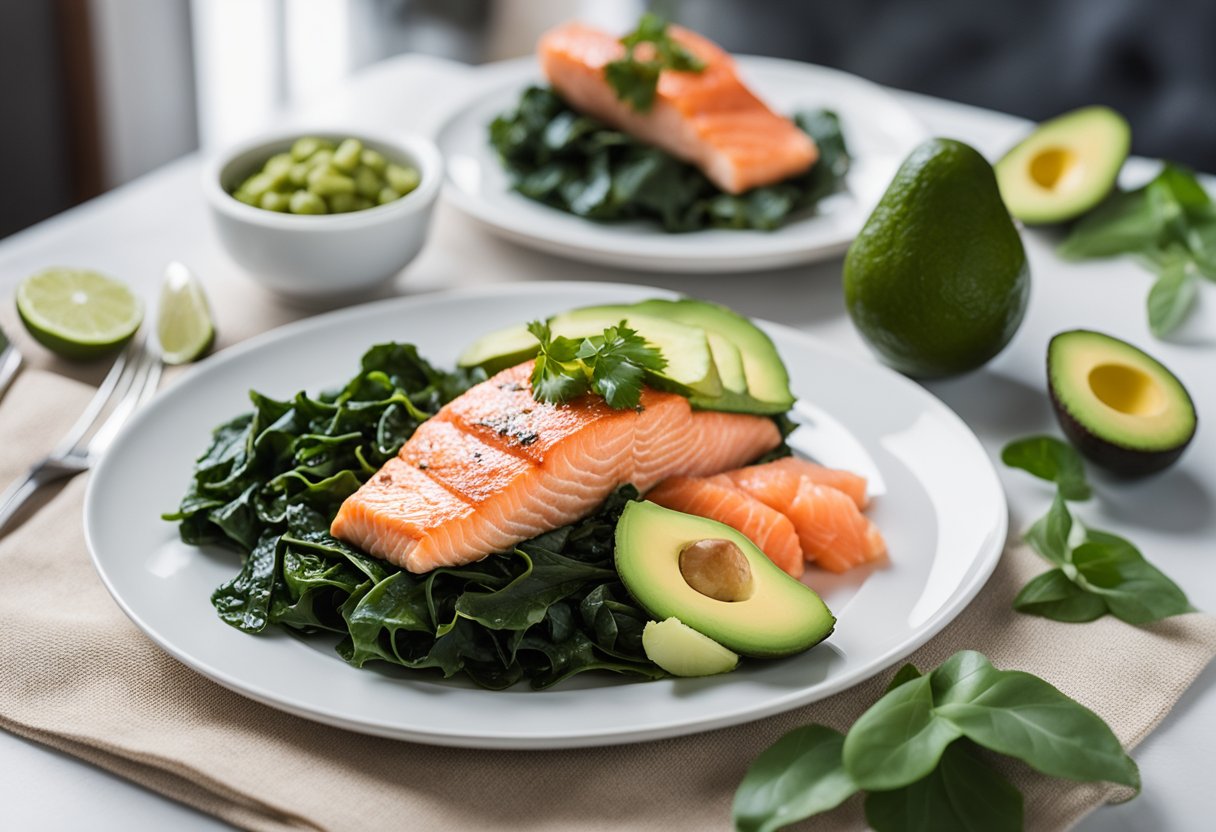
x: 937, y: 500
x: 879, y: 131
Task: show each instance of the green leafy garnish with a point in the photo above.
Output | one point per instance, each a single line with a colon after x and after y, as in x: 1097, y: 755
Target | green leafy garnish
x: 1049, y: 459
x: 919, y: 753
x: 636, y: 79
x: 574, y: 163
x: 1170, y: 225
x: 613, y: 365
x: 1096, y: 572
x: 271, y: 481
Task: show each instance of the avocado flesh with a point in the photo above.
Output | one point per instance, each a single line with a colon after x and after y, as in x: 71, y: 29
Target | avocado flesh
x: 682, y: 651
x: 1065, y: 167
x: 767, y: 381
x: 780, y: 617
x: 690, y: 365
x: 1119, y: 406
x: 937, y: 280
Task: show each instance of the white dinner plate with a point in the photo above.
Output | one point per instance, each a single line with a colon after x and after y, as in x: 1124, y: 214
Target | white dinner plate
x: 937, y: 500
x: 879, y: 131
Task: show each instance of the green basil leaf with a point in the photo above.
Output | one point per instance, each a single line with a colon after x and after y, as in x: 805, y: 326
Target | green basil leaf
x: 963, y: 794
x: 1049, y: 459
x: 962, y: 677
x: 1023, y: 716
x: 1125, y: 223
x: 905, y: 674
x: 899, y: 739
x: 1132, y: 588
x: 1049, y: 535
x: 802, y: 774
x: 1172, y: 297
x: 1052, y: 595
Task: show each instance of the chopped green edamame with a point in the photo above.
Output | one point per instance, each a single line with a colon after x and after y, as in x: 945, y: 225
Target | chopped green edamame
x: 319, y: 176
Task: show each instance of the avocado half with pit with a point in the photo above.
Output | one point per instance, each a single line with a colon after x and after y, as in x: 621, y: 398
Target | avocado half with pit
x: 716, y: 581
x: 1119, y: 406
x: 1065, y: 167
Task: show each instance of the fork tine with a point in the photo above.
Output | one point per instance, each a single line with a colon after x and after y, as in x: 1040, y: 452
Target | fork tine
x: 143, y: 381
x: 97, y: 404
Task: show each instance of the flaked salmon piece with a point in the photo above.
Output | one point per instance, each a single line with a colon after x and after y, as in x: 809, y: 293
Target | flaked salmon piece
x: 832, y: 530
x: 776, y: 483
x: 709, y: 118
x: 718, y: 499
x: 495, y: 467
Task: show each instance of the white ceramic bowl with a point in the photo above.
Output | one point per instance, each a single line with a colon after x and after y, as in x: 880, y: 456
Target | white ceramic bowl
x: 330, y: 256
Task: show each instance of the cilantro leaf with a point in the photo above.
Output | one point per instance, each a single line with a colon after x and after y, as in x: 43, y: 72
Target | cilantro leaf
x: 636, y: 79
x: 613, y: 364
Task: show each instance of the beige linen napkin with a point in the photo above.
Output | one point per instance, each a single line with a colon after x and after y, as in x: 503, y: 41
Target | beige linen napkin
x: 78, y: 676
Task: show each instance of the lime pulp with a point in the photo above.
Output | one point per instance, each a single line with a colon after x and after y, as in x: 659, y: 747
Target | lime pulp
x: 183, y: 323
x: 78, y: 313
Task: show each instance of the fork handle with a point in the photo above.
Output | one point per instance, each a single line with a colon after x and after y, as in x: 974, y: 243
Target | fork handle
x: 15, y: 497
x: 17, y: 494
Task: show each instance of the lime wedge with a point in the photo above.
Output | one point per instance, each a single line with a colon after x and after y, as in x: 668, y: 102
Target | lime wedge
x: 78, y: 313
x: 183, y: 321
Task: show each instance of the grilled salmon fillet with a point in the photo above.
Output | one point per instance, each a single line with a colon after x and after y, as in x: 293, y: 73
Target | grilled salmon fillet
x: 709, y: 118
x: 495, y: 467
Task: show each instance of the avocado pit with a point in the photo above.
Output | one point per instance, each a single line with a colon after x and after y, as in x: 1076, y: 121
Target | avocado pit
x: 717, y: 568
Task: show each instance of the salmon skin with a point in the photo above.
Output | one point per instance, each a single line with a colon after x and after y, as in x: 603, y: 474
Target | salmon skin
x: 494, y: 467
x: 708, y: 118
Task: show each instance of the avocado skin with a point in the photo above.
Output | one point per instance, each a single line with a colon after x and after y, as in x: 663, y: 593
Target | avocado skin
x: 939, y: 245
x: 1128, y: 463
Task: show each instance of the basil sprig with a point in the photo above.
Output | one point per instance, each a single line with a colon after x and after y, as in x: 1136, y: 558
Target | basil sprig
x: 1095, y: 572
x: 916, y: 753
x: 1170, y: 225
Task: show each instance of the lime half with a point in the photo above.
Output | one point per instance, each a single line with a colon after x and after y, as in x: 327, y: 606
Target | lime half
x: 183, y: 321
x: 78, y: 313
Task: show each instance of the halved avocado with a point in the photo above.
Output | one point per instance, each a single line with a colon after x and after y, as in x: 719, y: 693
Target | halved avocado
x: 752, y: 608
x: 690, y: 363
x: 768, y: 382
x: 1119, y: 406
x: 1065, y: 167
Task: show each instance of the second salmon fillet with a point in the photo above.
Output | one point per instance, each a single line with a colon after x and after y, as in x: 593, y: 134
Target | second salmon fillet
x: 495, y: 467
x: 709, y: 118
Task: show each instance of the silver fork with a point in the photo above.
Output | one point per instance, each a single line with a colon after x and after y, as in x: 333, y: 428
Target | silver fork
x: 131, y: 382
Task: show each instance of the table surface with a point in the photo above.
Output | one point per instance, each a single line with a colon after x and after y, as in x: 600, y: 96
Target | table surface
x: 135, y: 230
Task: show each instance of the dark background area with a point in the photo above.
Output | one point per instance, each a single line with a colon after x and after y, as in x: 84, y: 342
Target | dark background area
x: 1153, y: 60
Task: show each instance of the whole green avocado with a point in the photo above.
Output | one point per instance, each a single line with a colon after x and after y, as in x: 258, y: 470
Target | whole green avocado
x: 937, y: 280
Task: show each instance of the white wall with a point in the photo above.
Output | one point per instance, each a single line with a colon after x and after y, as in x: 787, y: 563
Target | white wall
x: 145, y: 84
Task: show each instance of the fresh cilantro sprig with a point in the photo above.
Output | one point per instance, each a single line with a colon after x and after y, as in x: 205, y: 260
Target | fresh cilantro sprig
x: 635, y: 79
x: 1095, y: 572
x: 613, y: 364
x: 916, y: 753
x: 1170, y: 226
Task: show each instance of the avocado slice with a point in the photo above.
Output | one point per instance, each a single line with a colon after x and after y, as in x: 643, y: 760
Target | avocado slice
x: 682, y: 651
x: 753, y: 607
x: 1065, y: 167
x: 767, y: 381
x: 1120, y: 407
x: 728, y: 357
x: 690, y: 370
